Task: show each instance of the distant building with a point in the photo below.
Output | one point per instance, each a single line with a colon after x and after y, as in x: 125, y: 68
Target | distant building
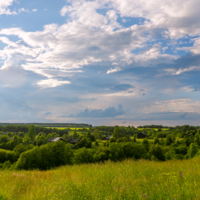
x: 54, y: 139
x: 141, y: 135
x: 107, y: 137
x: 72, y: 141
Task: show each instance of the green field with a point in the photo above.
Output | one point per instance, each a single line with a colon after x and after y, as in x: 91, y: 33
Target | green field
x: 125, y: 180
x: 155, y: 129
x: 71, y: 128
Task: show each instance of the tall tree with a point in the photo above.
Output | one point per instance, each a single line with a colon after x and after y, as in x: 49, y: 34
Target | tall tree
x: 31, y: 132
x: 116, y: 133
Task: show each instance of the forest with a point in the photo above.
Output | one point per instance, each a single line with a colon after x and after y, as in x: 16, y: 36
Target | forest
x: 27, y: 147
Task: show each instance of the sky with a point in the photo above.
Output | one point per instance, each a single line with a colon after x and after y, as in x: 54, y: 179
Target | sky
x: 101, y: 62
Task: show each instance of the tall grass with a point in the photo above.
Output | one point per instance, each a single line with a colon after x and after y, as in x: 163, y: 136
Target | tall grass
x: 129, y: 179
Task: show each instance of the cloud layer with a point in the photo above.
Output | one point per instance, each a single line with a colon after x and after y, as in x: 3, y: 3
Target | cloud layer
x: 142, y: 57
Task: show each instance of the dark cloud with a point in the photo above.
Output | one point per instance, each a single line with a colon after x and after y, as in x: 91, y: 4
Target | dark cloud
x: 47, y: 113
x: 121, y: 87
x: 98, y: 113
x: 178, y: 116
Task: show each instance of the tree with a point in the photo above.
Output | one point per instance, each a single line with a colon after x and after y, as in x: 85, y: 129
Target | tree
x: 156, y: 141
x: 116, y: 133
x: 134, y: 137
x: 96, y: 143
x: 31, y: 132
x: 75, y: 135
x: 168, y: 140
x: 145, y: 143
x: 197, y: 139
x: 192, y: 150
x: 83, y: 155
x: 157, y: 152
x: 10, y: 134
x: 96, y: 134
x: 19, y: 149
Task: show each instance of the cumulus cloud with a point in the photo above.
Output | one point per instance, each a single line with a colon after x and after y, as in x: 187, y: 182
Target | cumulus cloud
x: 113, y: 70
x: 51, y: 83
x: 85, y: 40
x: 4, y: 4
x: 180, y: 71
x: 23, y: 10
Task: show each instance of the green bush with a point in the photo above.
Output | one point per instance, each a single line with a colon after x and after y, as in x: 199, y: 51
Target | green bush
x: 46, y: 156
x: 6, y: 165
x: 83, y: 155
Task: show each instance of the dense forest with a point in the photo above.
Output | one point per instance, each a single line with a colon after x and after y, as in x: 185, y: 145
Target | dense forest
x: 36, y: 147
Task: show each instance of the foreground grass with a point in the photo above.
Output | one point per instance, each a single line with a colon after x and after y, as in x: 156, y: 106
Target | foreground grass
x: 126, y: 180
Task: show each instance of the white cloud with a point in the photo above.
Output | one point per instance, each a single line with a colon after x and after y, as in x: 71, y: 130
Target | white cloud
x: 178, y: 21
x: 4, y: 4
x: 195, y: 49
x: 51, y: 83
x: 180, y: 71
x: 23, y: 10
x: 111, y: 70
x: 175, y: 105
x: 7, y: 41
x: 85, y: 40
x: 34, y: 10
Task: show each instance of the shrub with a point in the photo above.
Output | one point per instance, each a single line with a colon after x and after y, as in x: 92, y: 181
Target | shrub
x: 96, y: 144
x: 6, y: 165
x: 46, y: 156
x: 157, y: 151
x: 156, y: 141
x: 84, y: 142
x: 83, y: 155
x: 113, y: 139
x: 192, y: 150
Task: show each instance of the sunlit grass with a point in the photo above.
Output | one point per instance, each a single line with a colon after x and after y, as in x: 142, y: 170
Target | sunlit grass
x: 155, y: 129
x: 6, y: 151
x: 126, y: 180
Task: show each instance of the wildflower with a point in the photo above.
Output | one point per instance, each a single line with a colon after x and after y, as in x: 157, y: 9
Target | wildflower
x: 181, y: 175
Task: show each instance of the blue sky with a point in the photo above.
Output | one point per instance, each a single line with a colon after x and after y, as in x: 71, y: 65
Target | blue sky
x: 102, y: 62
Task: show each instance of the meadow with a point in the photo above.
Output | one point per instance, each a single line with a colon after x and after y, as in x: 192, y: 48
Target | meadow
x: 129, y: 179
x: 71, y: 128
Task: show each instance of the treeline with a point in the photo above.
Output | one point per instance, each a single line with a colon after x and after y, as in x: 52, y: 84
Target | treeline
x: 24, y: 128
x: 59, y: 153
x: 153, y: 126
x: 56, y: 154
x: 31, y: 150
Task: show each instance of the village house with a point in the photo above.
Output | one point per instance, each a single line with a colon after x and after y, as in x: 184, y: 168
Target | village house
x: 141, y: 135
x: 55, y: 139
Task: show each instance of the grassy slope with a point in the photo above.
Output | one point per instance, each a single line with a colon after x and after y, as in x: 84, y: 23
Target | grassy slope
x: 126, y: 180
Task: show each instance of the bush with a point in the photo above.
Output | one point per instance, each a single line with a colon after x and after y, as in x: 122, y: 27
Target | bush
x: 6, y: 165
x: 84, y: 142
x: 5, y: 156
x: 120, y: 151
x: 192, y: 150
x: 96, y: 144
x: 113, y: 139
x: 46, y: 156
x: 83, y: 155
x: 20, y: 148
x: 157, y: 151
x: 156, y: 141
